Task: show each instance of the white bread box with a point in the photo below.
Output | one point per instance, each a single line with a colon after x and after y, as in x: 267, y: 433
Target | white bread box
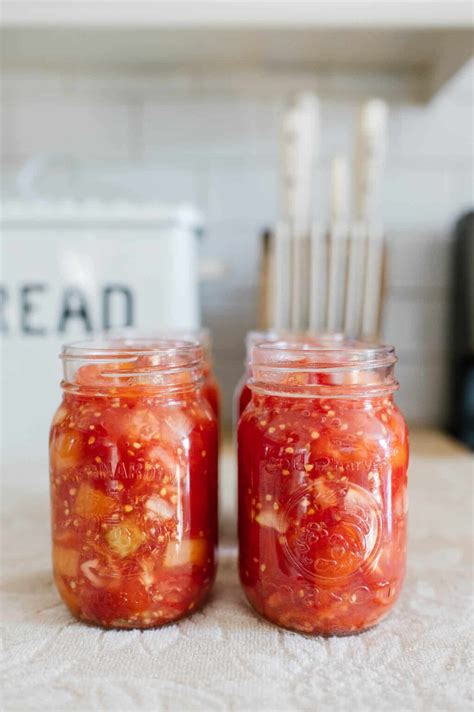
x: 72, y: 269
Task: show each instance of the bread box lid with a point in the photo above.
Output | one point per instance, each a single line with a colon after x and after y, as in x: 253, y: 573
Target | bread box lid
x: 88, y: 212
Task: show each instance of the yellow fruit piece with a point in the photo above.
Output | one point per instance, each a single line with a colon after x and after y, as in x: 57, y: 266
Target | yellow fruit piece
x: 399, y: 455
x: 66, y: 449
x: 91, y: 502
x: 65, y: 561
x: 189, y: 552
x: 125, y: 538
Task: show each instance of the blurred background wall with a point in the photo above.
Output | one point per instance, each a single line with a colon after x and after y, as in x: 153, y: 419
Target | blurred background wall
x: 212, y: 138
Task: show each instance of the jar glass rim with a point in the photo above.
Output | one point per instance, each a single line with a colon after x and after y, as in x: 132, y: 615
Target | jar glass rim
x: 322, y: 353
x: 286, y: 336
x: 145, y: 364
x: 199, y: 334
x: 126, y: 347
x: 312, y: 366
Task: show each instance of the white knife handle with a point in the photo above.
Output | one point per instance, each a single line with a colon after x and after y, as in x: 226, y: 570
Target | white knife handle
x: 370, y: 161
x: 339, y: 190
x: 300, y: 145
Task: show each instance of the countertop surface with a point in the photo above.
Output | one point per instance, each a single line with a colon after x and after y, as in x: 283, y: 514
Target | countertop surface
x: 225, y: 658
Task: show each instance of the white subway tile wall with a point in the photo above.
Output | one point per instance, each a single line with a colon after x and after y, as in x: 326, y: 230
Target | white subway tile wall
x: 213, y: 138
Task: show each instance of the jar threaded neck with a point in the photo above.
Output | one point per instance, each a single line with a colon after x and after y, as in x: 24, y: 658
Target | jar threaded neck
x: 312, y: 368
x: 139, y: 364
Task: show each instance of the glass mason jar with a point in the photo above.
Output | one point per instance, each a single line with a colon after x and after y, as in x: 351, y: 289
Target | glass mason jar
x: 323, y: 456
x: 133, y: 465
x: 242, y: 394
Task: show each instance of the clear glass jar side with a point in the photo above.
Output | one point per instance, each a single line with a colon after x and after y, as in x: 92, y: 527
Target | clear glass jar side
x: 134, y: 501
x: 322, y: 509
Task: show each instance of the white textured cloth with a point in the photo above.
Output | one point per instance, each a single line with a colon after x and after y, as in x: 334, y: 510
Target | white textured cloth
x: 225, y: 658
